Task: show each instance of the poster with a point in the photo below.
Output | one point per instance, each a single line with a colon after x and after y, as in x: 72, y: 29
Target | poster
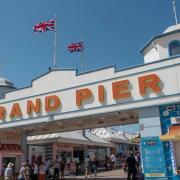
x: 152, y: 157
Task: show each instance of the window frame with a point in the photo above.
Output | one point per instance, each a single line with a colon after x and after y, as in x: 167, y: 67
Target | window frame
x: 170, y: 51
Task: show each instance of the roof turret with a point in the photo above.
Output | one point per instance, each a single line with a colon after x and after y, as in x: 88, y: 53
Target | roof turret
x: 6, y: 83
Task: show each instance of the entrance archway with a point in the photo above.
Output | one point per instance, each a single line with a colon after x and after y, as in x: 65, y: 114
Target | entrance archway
x: 99, y: 98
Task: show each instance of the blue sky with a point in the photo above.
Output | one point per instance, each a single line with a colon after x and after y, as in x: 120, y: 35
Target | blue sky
x: 114, y: 31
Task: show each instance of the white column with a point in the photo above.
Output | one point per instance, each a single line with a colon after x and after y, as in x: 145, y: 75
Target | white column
x: 149, y: 122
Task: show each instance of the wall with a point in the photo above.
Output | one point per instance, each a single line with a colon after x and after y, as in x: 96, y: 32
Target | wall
x: 149, y: 121
x: 163, y: 46
x: 151, y: 55
x: 160, y: 49
x: 36, y: 151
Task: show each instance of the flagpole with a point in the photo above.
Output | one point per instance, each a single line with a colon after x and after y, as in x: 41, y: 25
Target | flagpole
x: 54, y: 53
x: 175, y: 15
x: 82, y: 56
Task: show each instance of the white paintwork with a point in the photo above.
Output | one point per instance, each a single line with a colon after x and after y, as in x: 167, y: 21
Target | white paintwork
x: 152, y: 54
x: 172, y: 28
x: 159, y: 48
x: 168, y: 71
x: 150, y: 121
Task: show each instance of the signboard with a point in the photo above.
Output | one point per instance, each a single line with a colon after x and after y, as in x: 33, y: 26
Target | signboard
x: 169, y: 114
x: 64, y: 147
x: 51, y: 104
x: 12, y: 137
x: 153, y: 159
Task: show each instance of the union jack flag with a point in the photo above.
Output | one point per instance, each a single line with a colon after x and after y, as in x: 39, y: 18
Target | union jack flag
x: 75, y: 47
x: 45, y: 26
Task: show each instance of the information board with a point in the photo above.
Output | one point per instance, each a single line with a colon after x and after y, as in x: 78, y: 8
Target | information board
x: 153, y: 159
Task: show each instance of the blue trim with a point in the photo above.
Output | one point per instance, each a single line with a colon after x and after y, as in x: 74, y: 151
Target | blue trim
x: 169, y: 50
x: 157, y: 37
x: 101, y: 81
x: 99, y: 107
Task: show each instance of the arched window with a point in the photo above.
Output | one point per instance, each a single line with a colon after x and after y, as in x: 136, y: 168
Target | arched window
x: 174, y: 48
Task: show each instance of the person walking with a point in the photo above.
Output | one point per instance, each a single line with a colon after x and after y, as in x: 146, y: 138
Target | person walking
x: 47, y: 164
x: 27, y: 170
x: 132, y: 166
x: 22, y: 175
x: 88, y: 165
x: 106, y: 162
x: 62, y: 165
x: 113, y: 161
x: 8, y: 173
x: 35, y: 171
x: 56, y: 170
x: 95, y: 165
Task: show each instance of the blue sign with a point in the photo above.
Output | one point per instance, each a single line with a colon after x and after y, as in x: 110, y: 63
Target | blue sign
x: 167, y: 112
x: 152, y: 157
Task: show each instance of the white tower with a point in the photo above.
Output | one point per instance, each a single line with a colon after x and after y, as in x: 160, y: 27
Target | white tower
x: 164, y: 46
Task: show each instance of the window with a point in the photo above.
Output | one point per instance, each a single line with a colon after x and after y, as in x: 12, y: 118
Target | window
x: 174, y: 48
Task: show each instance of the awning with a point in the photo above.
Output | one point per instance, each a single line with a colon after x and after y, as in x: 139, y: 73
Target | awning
x: 72, y: 137
x: 10, y: 148
x: 172, y: 135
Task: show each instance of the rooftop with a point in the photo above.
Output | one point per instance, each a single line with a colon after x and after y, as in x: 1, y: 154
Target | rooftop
x: 5, y: 82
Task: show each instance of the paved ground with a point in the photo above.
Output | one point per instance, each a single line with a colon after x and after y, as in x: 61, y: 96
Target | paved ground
x: 115, y: 174
x: 109, y: 175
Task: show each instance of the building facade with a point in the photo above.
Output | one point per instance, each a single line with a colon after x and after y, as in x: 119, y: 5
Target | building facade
x: 148, y: 94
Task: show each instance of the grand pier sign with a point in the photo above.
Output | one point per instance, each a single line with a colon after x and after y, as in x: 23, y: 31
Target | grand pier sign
x: 64, y: 94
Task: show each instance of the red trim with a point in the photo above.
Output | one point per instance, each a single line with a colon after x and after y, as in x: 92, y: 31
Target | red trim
x: 10, y: 148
